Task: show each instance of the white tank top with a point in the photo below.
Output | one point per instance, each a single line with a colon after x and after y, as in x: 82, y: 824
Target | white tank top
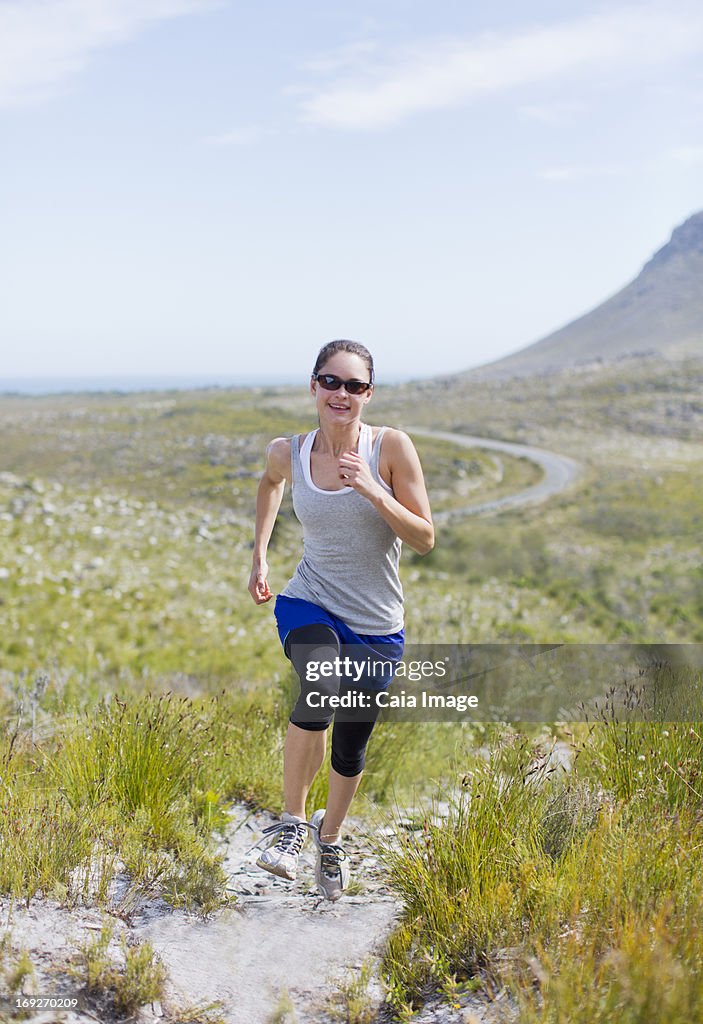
x: 350, y: 553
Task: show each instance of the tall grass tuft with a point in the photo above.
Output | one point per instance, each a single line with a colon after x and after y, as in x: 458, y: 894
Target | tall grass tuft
x: 468, y: 880
x: 120, y: 989
x: 546, y: 883
x: 144, y: 780
x: 132, y: 756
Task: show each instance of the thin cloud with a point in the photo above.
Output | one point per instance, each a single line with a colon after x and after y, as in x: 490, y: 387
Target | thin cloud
x: 578, y: 172
x: 552, y: 113
x: 690, y: 156
x: 44, y: 42
x: 449, y: 73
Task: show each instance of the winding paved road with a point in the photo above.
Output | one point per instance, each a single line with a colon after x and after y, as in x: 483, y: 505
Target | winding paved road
x: 559, y: 472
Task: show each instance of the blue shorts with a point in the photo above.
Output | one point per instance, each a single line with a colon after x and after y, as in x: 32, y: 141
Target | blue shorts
x: 380, y: 653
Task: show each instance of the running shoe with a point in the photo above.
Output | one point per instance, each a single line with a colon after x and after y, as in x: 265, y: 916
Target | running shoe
x: 281, y: 858
x: 332, y: 868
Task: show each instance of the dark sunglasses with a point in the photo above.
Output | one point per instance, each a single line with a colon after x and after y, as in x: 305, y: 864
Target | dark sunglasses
x: 330, y: 382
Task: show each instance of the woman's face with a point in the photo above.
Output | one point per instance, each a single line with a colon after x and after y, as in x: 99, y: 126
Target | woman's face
x: 339, y: 406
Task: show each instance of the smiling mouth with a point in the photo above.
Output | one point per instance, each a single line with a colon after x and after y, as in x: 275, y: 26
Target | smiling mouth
x: 341, y: 408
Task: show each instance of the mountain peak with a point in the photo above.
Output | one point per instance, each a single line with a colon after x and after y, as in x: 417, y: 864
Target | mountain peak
x: 661, y: 311
x: 686, y: 239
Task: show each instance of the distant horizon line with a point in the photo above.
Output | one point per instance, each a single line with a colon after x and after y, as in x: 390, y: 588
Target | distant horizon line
x: 28, y: 384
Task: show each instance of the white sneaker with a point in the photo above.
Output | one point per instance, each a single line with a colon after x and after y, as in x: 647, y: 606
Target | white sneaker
x: 331, y: 869
x: 281, y: 858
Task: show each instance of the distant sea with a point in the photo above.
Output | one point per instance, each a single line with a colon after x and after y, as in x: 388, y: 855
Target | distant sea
x: 157, y: 382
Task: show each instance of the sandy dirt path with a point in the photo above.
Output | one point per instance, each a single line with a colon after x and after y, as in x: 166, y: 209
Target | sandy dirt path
x: 559, y: 472
x: 280, y: 939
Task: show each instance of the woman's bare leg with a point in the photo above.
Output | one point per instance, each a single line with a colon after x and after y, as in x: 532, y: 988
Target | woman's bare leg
x: 341, y: 793
x: 303, y: 755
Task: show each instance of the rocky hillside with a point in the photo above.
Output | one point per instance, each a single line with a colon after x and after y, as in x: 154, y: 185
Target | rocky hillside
x: 660, y: 312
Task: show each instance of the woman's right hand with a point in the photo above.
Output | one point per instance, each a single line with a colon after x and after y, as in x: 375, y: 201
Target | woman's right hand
x: 258, y: 584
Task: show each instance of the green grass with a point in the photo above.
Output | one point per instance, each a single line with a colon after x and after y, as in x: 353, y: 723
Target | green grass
x: 119, y: 989
x: 586, y: 570
x: 15, y: 969
x: 141, y: 689
x: 143, y: 781
x: 125, y: 534
x: 581, y: 892
x: 125, y: 540
x: 575, y: 410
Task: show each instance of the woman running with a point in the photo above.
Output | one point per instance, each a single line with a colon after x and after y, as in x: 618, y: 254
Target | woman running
x: 358, y: 492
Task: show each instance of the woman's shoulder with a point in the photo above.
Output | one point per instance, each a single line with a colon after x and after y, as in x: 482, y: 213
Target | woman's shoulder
x: 278, y: 455
x: 278, y: 445
x: 393, y: 438
x: 397, y: 452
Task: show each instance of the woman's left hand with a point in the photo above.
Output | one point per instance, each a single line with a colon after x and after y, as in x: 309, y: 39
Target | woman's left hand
x: 355, y: 472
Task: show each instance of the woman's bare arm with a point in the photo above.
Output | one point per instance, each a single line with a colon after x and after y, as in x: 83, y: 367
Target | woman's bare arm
x: 268, y: 502
x: 407, y: 510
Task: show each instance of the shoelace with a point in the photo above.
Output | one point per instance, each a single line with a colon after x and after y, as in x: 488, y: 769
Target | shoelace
x: 292, y: 835
x: 330, y: 858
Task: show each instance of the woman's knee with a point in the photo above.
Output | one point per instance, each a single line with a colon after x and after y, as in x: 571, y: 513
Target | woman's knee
x: 349, y: 742
x: 307, y: 647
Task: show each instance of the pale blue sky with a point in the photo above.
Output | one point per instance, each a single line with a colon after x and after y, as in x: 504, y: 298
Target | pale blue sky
x: 196, y: 187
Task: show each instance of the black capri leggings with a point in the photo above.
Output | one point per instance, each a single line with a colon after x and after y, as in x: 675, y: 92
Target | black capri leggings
x: 352, y: 727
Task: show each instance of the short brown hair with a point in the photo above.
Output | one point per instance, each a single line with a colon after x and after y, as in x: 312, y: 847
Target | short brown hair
x: 355, y: 348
